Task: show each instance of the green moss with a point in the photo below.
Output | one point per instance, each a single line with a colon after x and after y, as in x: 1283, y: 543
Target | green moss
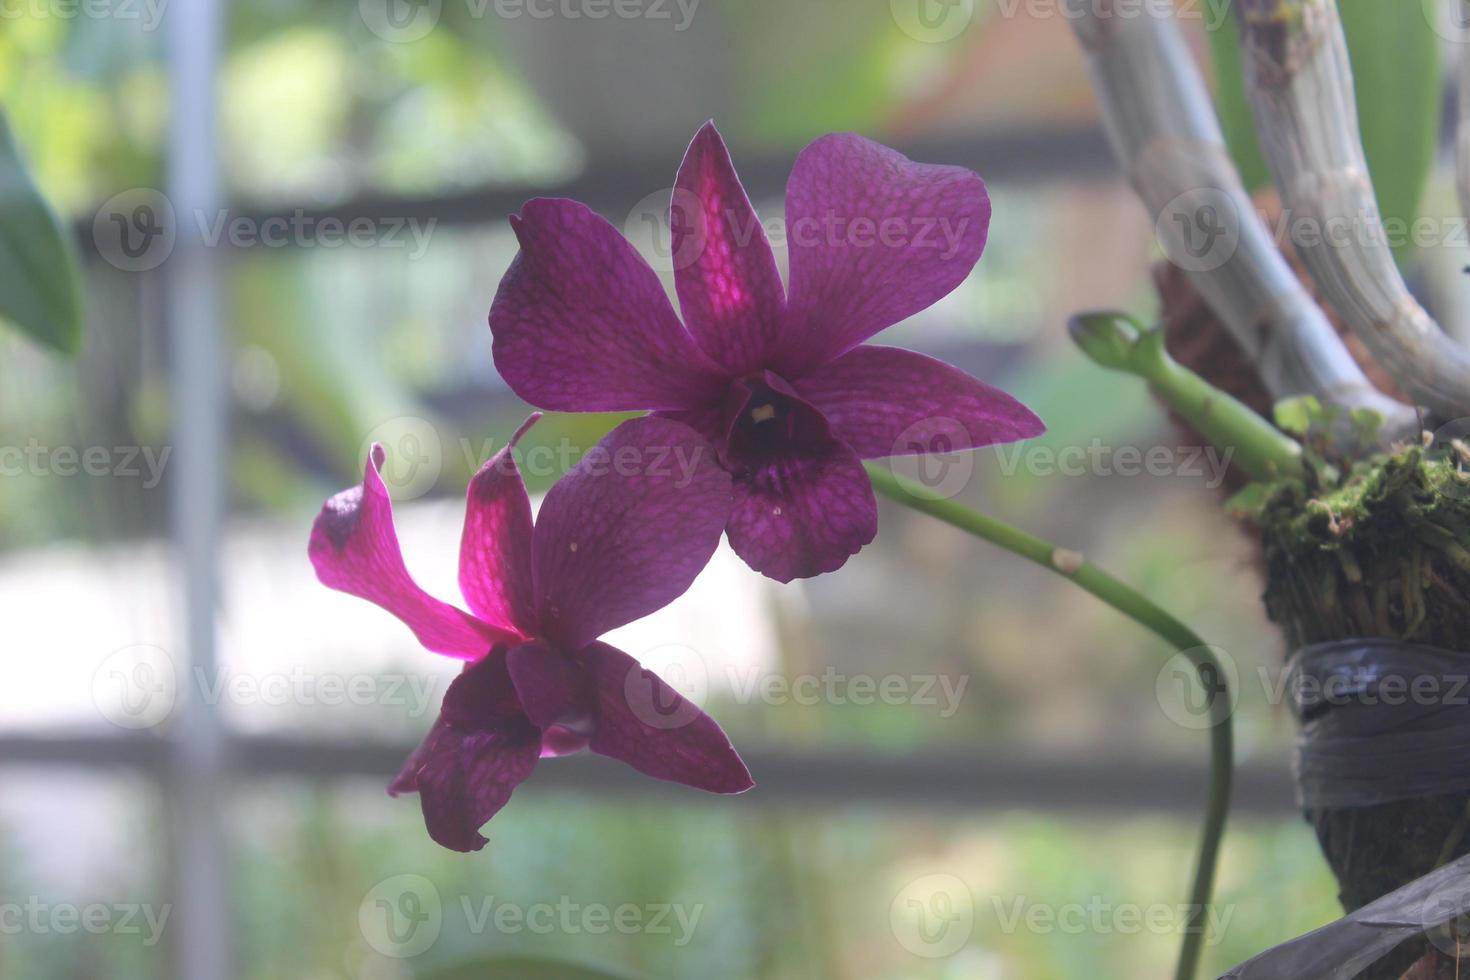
x: 1382, y: 550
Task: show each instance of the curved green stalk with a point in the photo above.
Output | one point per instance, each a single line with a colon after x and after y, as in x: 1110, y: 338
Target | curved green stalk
x: 1141, y: 610
x: 1119, y: 342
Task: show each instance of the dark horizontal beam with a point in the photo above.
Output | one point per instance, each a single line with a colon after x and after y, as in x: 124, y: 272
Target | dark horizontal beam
x: 1015, y: 156
x: 928, y: 780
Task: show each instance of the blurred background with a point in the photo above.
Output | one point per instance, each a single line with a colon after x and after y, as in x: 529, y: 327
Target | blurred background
x: 291, y: 222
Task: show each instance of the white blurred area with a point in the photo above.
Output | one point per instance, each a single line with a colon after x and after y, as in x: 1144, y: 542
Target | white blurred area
x: 296, y: 656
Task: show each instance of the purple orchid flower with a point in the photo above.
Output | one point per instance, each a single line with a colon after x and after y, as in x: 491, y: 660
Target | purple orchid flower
x: 775, y: 378
x: 621, y: 535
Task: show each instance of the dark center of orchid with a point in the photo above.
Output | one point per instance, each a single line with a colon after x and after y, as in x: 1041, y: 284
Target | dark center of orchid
x: 769, y: 421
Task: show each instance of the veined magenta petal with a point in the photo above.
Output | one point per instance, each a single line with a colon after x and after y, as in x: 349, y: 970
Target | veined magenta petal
x: 354, y: 549
x: 495, y: 548
x: 468, y: 776
x: 582, y: 324
x: 803, y: 503
x: 474, y: 757
x: 482, y: 696
x: 627, y: 529
x: 885, y: 401
x: 804, y: 514
x: 553, y: 690
x: 873, y: 238
x: 650, y: 726
x: 729, y: 287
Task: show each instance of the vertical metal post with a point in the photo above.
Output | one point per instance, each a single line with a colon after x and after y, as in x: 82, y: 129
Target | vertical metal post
x: 199, y: 857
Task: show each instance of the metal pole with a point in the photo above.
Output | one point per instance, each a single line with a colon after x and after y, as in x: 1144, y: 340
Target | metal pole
x: 198, y: 844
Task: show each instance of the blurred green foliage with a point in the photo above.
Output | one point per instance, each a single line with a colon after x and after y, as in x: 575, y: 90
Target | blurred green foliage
x: 778, y: 894
x: 42, y: 294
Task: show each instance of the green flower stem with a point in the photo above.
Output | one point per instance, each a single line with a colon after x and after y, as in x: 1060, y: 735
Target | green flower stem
x: 1116, y: 341
x: 1141, y: 610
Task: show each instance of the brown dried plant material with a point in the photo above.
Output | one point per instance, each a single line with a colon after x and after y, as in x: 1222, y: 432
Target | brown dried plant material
x: 1197, y: 339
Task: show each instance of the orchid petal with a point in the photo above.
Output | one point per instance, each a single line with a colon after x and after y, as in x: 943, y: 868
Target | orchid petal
x: 468, y: 776
x: 803, y: 502
x: 354, y: 549
x: 474, y: 757
x: 495, y: 548
x: 582, y: 324
x: 873, y: 238
x: 884, y: 401
x: 650, y: 726
x: 726, y: 277
x: 804, y: 515
x: 627, y: 529
x: 552, y: 689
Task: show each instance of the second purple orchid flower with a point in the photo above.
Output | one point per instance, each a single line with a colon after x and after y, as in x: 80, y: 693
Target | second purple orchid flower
x: 609, y: 546
x: 775, y: 378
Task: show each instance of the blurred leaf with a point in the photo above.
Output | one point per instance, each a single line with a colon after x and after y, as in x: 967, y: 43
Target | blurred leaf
x: 1297, y: 415
x: 40, y: 287
x: 1396, y: 69
x: 521, y: 968
x: 1248, y: 502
